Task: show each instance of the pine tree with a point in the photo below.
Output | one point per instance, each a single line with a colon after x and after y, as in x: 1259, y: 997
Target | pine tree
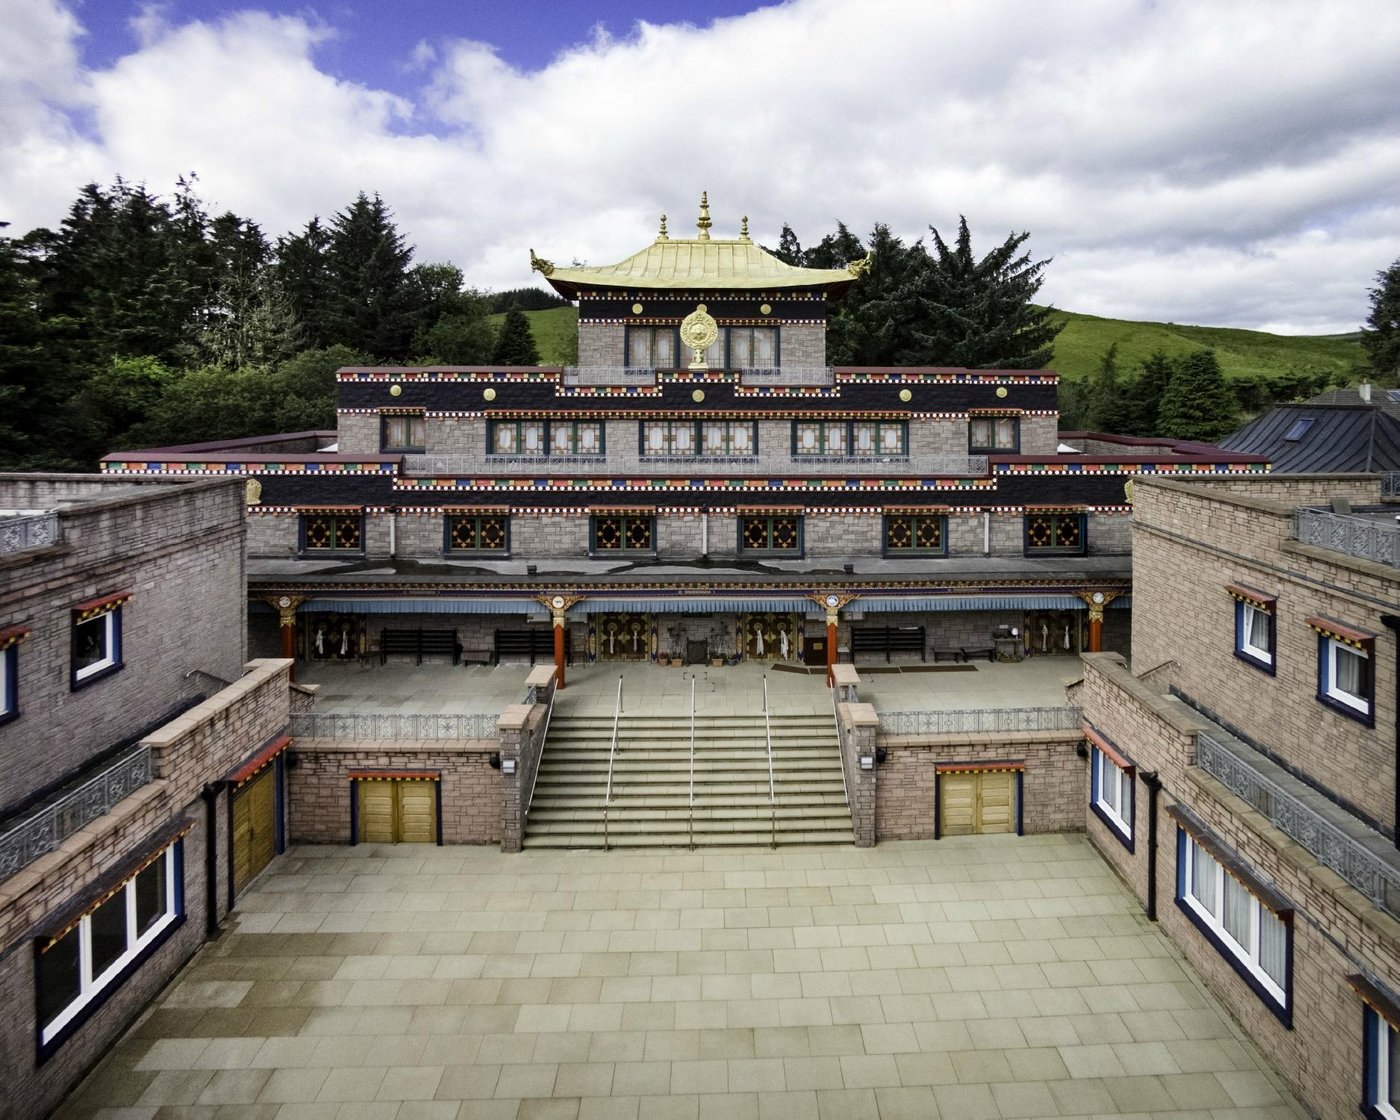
x: 377, y: 306
x: 515, y: 345
x: 303, y: 271
x: 789, y: 249
x: 1148, y: 389
x: 981, y: 314
x: 1109, y: 406
x: 1381, y: 335
x: 1197, y: 405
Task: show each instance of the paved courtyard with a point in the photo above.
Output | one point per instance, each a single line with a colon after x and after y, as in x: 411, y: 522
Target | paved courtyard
x: 963, y: 978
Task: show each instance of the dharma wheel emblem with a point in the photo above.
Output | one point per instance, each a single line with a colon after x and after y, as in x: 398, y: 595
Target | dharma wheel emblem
x: 699, y: 331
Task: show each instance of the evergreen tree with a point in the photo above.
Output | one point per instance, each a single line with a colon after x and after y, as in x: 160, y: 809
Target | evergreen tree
x: 1197, y: 404
x: 1148, y: 390
x: 303, y: 272
x: 377, y: 305
x: 789, y: 249
x: 1381, y: 335
x: 1109, y: 406
x: 981, y: 314
x: 515, y: 345
x: 876, y: 322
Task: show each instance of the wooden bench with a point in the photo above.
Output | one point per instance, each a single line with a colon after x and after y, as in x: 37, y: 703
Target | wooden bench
x: 951, y: 653
x: 419, y: 644
x: 888, y: 640
x: 989, y: 652
x: 531, y: 642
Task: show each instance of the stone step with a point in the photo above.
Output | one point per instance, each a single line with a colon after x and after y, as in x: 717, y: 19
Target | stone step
x: 751, y: 839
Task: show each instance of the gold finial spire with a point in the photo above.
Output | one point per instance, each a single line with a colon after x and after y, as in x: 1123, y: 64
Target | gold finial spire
x: 703, y: 223
x: 663, y: 235
x: 744, y: 228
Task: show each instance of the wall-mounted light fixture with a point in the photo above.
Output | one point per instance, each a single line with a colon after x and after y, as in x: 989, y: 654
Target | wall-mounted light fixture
x: 867, y: 762
x: 507, y: 766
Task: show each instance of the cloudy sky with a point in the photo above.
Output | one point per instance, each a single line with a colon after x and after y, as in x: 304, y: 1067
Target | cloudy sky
x: 1204, y: 161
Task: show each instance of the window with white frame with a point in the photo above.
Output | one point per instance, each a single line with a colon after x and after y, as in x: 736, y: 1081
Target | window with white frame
x: 1382, y: 1062
x: 10, y: 638
x: 1345, y: 669
x: 1112, y: 793
x: 1255, y: 627
x: 77, y: 966
x: 97, y: 640
x: 1249, y: 934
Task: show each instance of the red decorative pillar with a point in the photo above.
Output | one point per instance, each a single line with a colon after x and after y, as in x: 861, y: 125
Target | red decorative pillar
x: 286, y: 607
x: 1096, y: 601
x: 832, y: 604
x: 558, y: 606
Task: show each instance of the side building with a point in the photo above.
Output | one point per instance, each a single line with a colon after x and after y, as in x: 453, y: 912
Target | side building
x: 1243, y: 774
x: 140, y: 756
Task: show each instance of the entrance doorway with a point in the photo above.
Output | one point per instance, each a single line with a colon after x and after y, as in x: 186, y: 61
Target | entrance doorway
x: 254, y: 826
x: 399, y: 810
x: 972, y: 802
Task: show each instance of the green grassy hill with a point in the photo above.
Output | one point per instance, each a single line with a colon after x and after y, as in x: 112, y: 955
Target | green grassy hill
x: 1085, y: 338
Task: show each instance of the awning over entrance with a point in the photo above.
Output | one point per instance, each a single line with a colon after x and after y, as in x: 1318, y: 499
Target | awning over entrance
x: 423, y: 606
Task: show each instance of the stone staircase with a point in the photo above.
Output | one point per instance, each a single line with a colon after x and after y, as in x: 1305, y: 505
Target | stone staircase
x: 651, y: 783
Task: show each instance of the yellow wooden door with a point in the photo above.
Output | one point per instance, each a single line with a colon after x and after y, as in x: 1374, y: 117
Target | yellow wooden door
x: 996, y: 801
x: 254, y: 827
x: 958, y: 813
x: 378, y: 802
x: 417, y: 808
x: 976, y: 802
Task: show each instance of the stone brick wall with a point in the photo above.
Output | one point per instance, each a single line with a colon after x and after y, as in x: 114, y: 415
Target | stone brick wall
x: 601, y: 344
x: 802, y: 344
x: 938, y: 437
x: 842, y: 534
x: 201, y: 746
x: 178, y: 549
x: 1219, y: 538
x: 1336, y: 931
x: 358, y: 433
x: 272, y: 534
x: 1110, y: 534
x: 1052, y: 797
x: 319, y: 786
x: 1040, y: 435
x: 453, y: 435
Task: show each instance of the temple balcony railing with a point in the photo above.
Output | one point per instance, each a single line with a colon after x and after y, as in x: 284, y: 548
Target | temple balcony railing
x: 1359, y: 854
x: 788, y: 375
x: 20, y: 532
x: 609, y: 375
x: 368, y: 726
x: 41, y: 830
x: 1376, y: 539
x: 981, y: 721
x: 613, y: 463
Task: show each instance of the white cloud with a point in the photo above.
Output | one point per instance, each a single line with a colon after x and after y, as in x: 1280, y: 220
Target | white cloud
x: 1187, y: 161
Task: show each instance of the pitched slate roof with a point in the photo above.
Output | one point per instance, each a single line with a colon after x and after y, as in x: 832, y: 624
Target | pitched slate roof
x: 1338, y: 437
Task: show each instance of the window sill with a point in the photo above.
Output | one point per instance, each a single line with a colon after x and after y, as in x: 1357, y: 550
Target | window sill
x: 1257, y: 662
x: 1114, y: 826
x: 92, y: 678
x: 1366, y: 718
x: 1282, y: 1011
x: 10, y: 716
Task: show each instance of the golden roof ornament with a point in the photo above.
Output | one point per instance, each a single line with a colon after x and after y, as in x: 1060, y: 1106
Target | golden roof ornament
x: 703, y: 222
x: 744, y: 228
x: 539, y: 264
x: 663, y: 235
x: 860, y: 267
x: 699, y: 331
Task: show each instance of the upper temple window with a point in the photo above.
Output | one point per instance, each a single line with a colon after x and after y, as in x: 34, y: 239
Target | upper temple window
x: 993, y: 433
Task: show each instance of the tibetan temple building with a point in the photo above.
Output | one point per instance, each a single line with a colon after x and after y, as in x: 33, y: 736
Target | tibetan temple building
x: 702, y: 485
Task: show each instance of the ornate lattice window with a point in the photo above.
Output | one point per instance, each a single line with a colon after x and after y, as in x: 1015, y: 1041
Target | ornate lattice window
x: 869, y: 439
x: 576, y: 437
x: 753, y: 347
x: 516, y: 437
x: 879, y: 437
x: 332, y: 532
x: 407, y: 432
x: 477, y: 532
x: 662, y: 438
x: 1048, y: 533
x: 728, y: 438
x: 623, y: 532
x: 779, y: 533
x: 919, y: 534
x: 993, y: 433
x: 820, y: 437
x: 652, y: 347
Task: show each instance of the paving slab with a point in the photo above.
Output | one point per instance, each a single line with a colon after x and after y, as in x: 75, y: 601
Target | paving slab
x: 467, y: 997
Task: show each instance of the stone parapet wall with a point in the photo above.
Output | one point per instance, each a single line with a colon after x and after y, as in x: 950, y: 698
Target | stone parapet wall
x: 319, y: 785
x: 357, y: 433
x: 1052, y: 792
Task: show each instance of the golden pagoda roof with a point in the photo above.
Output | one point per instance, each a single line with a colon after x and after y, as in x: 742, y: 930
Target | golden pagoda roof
x: 697, y: 263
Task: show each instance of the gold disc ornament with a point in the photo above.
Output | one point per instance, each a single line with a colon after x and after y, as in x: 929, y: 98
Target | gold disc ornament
x: 698, y: 332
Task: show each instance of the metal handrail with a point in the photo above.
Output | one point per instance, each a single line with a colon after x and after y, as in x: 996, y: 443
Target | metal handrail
x: 772, y: 795
x: 544, y: 733
x: 612, y: 754
x: 841, y: 746
x: 692, y: 763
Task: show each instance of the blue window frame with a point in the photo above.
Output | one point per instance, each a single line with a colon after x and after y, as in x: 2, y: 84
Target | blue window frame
x: 78, y: 968
x: 1256, y: 628
x: 1111, y: 794
x: 96, y: 641
x: 1346, y: 678
x: 10, y: 638
x: 1380, y: 1049
x: 1247, y: 922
